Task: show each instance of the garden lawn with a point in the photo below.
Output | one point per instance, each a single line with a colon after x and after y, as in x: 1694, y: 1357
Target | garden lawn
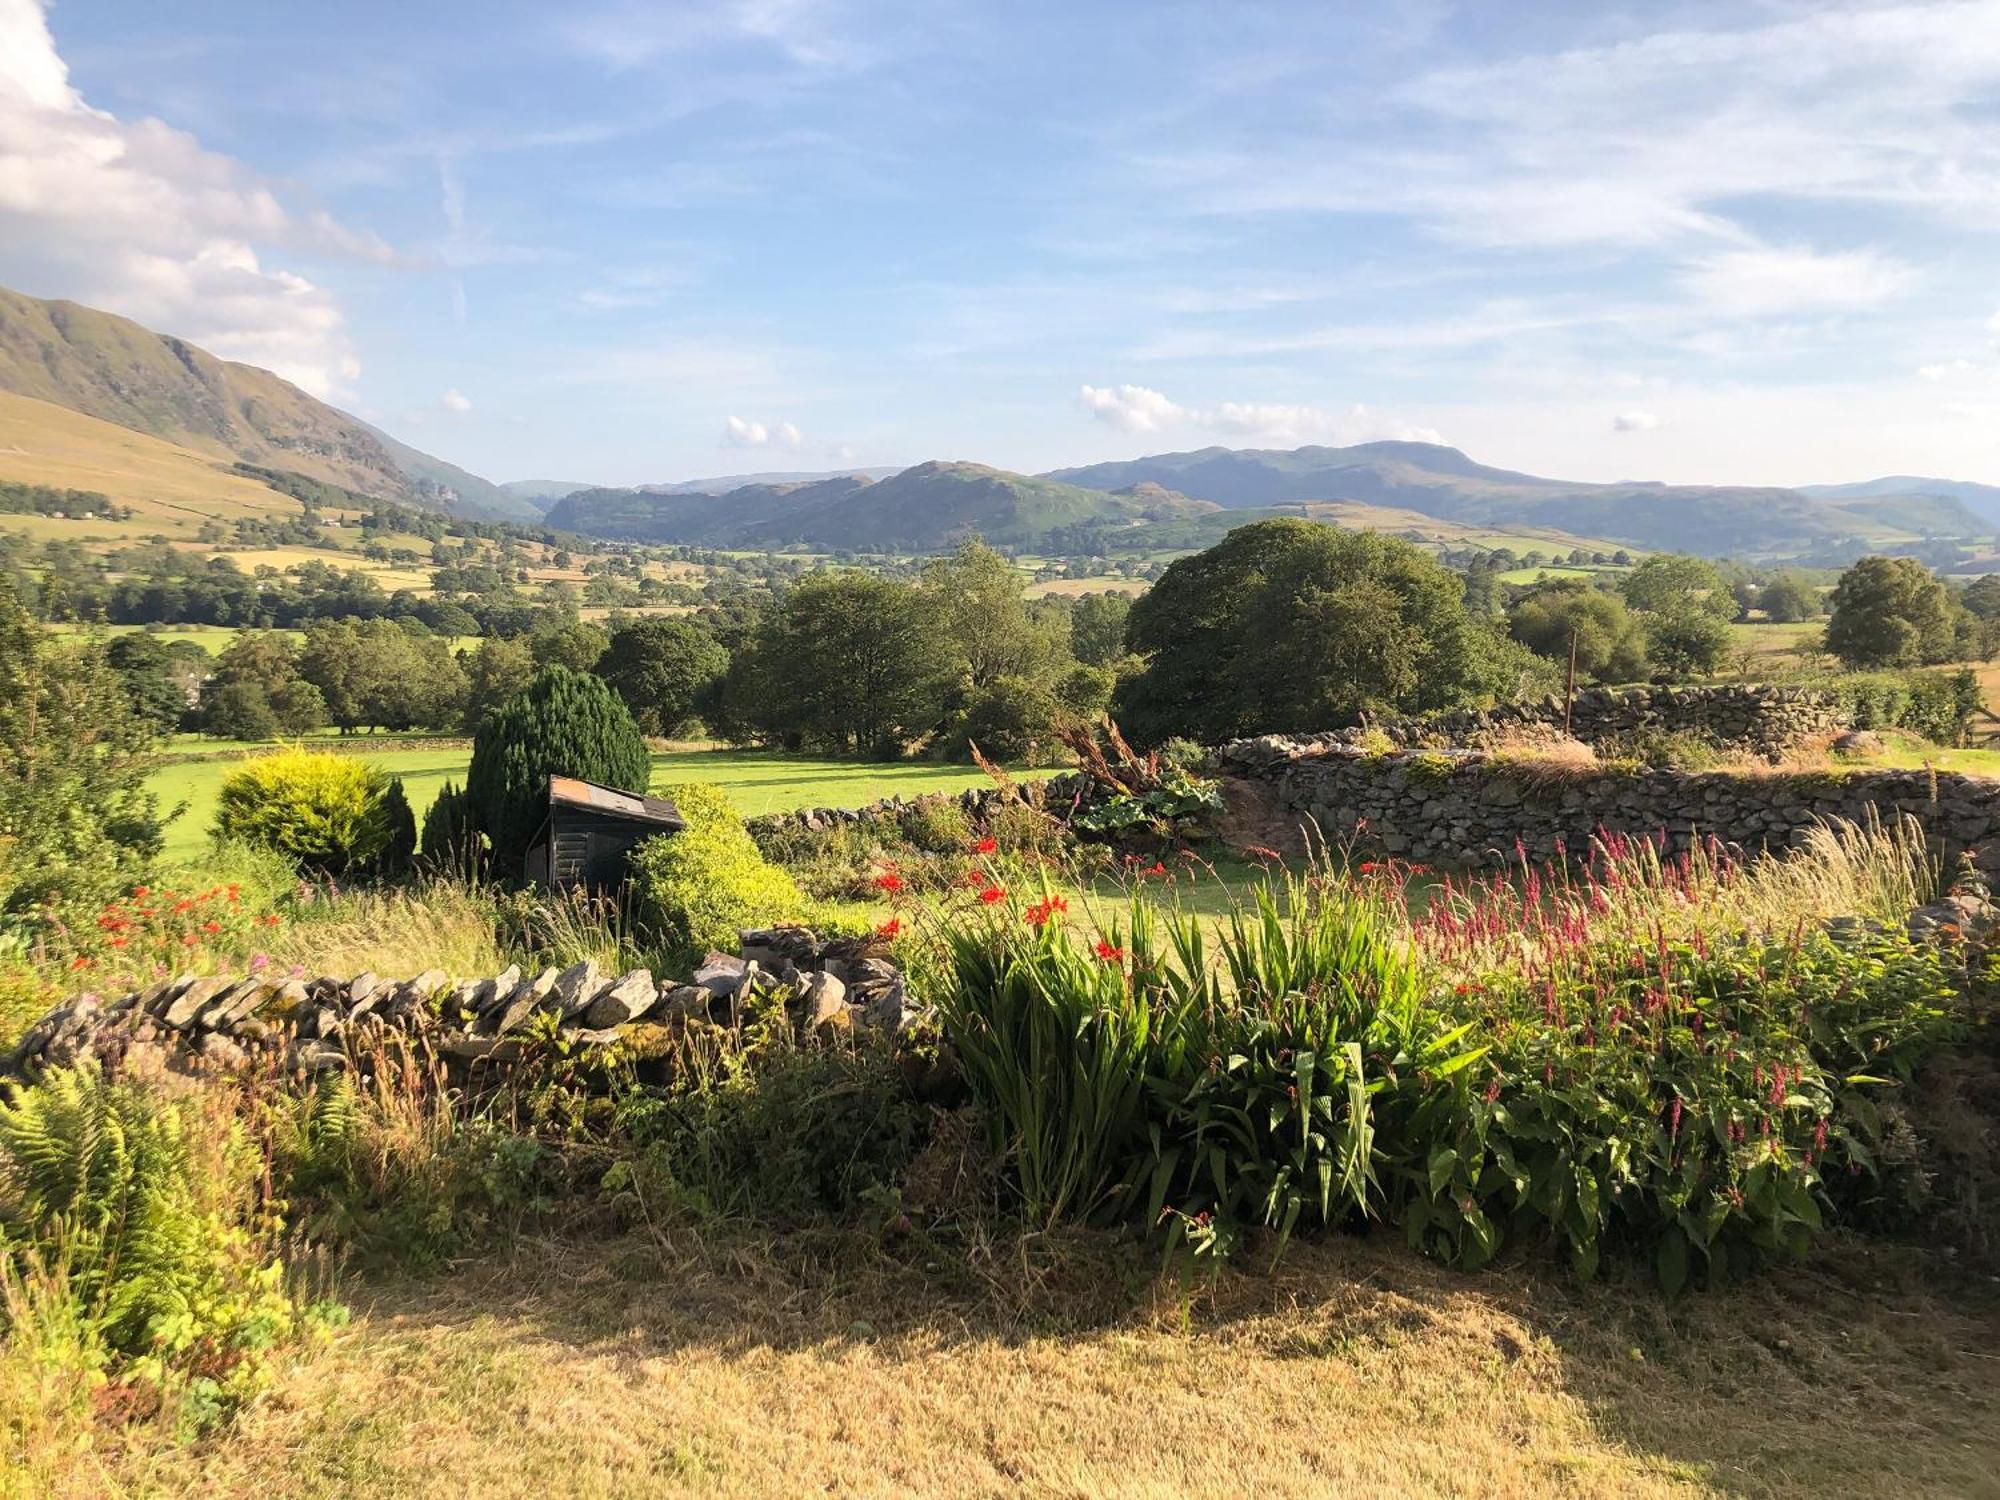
x: 1062, y: 1367
x: 758, y: 781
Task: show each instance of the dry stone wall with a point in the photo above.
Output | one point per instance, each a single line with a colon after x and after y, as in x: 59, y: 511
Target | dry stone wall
x: 1760, y: 718
x: 1465, y: 808
x: 229, y: 1021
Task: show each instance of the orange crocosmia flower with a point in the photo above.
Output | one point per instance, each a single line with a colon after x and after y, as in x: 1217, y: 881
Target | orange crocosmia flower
x: 985, y: 846
x: 1109, y: 952
x: 889, y: 880
x: 211, y: 927
x: 993, y: 895
x: 891, y: 928
x: 117, y: 942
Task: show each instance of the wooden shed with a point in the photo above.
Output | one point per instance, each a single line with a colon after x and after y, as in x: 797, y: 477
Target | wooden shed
x: 589, y: 831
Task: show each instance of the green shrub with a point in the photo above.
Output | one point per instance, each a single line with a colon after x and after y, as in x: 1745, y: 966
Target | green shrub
x: 451, y: 838
x: 401, y: 847
x: 776, y: 1131
x: 1936, y: 705
x: 936, y: 825
x: 699, y: 886
x: 564, y: 723
x: 1687, y: 1102
x: 136, y: 1209
x: 325, y: 812
x: 1664, y: 749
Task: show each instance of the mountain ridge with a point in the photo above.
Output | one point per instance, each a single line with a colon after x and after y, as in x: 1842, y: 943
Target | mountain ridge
x: 105, y: 366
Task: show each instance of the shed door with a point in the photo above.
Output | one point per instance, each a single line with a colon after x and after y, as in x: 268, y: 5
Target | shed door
x: 569, y: 854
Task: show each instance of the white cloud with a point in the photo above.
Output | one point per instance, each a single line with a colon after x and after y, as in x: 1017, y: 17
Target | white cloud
x: 1771, y: 280
x: 1132, y: 408
x: 454, y: 401
x: 1139, y: 408
x: 138, y: 218
x: 1634, y: 421
x: 740, y: 432
x: 1946, y: 369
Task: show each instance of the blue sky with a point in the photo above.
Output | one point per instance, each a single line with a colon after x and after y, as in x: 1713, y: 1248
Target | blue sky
x: 623, y: 242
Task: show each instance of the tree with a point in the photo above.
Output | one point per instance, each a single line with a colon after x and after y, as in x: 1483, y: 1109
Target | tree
x: 1610, y: 641
x: 495, y: 670
x: 666, y: 670
x: 1688, y: 643
x: 1667, y: 583
x: 75, y: 815
x: 847, y: 663
x: 155, y: 679
x: 568, y: 643
x: 977, y: 594
x: 1097, y: 628
x: 563, y: 723
x: 1891, y: 612
x: 1289, y: 624
x: 378, y: 673
x: 1788, y: 600
x: 251, y: 677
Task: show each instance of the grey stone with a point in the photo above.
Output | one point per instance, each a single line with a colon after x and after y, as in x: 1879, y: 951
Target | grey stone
x: 575, y: 987
x: 627, y: 999
x: 192, y: 1001
x: 529, y: 995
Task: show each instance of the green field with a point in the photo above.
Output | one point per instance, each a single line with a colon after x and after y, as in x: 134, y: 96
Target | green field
x: 758, y: 781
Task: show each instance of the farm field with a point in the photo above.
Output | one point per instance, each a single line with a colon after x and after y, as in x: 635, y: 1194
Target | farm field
x: 758, y: 782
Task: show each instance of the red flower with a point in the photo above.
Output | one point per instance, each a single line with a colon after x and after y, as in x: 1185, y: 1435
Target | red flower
x: 889, y: 881
x: 1043, y: 912
x: 211, y: 927
x: 1109, y: 952
x: 269, y: 919
x: 891, y: 928
x: 993, y: 895
x: 1368, y: 867
x: 986, y: 846
x: 140, y: 892
x: 79, y: 962
x: 117, y: 942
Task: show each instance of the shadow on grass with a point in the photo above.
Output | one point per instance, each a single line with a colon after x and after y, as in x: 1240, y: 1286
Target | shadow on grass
x: 1868, y: 1370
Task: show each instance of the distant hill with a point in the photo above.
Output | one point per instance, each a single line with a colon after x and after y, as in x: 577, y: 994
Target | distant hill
x: 110, y: 368
x: 542, y: 493
x: 1982, y: 500
x: 722, y: 484
x: 1443, y: 482
x: 924, y: 509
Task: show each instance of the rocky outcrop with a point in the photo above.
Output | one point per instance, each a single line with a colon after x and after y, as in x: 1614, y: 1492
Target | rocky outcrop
x: 207, y: 1021
x: 1467, y: 808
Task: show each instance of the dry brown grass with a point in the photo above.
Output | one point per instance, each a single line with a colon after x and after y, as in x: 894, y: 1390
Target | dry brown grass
x: 604, y: 1370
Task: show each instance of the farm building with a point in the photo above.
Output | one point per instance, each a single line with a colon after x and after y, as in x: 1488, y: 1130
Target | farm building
x: 589, y: 831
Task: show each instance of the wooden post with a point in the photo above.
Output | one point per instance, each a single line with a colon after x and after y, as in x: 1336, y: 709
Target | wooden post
x: 1569, y: 687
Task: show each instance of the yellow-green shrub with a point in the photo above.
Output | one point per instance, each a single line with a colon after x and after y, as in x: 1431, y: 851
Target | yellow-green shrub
x: 699, y: 886
x: 325, y: 812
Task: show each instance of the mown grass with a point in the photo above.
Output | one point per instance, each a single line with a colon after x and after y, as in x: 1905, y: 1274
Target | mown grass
x: 758, y: 781
x: 1067, y: 1366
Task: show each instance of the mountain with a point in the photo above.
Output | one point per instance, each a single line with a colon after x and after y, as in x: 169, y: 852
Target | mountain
x: 928, y: 508
x: 1443, y: 482
x: 542, y: 493
x: 722, y: 484
x: 1982, y: 500
x: 110, y: 368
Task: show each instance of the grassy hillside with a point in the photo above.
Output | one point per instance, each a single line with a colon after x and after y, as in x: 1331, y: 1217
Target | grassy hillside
x: 928, y: 508
x: 1444, y: 483
x: 111, y: 368
x: 170, y: 489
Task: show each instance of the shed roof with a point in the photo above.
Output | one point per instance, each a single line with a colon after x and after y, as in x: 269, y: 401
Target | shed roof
x: 588, y: 796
